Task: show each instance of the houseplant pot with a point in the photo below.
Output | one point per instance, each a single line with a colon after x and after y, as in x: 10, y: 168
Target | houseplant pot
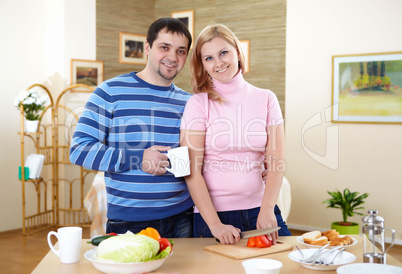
x: 349, y: 203
x: 345, y: 229
x: 31, y: 125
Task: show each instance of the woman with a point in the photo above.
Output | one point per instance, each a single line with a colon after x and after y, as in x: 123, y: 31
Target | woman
x: 232, y: 129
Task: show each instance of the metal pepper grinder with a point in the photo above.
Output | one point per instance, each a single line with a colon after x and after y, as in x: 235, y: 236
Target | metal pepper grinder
x: 374, y: 238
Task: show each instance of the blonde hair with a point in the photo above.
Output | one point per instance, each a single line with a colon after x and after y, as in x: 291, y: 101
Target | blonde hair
x: 200, y: 80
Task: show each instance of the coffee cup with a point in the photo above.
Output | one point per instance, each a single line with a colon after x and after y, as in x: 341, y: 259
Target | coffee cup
x: 179, y: 161
x: 69, y: 239
x: 262, y: 266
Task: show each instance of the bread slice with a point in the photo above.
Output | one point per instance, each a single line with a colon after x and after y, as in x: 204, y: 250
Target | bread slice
x: 319, y: 241
x: 311, y: 236
x: 325, y: 233
x: 335, y: 243
x: 332, y: 235
x: 339, y: 241
x: 349, y: 239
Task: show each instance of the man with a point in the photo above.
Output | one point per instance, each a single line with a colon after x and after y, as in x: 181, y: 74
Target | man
x: 128, y: 124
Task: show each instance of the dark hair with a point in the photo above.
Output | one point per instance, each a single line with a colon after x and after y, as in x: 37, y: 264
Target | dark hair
x: 172, y: 25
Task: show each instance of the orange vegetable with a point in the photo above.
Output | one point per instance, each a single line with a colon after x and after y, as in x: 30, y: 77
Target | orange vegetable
x: 262, y: 241
x: 251, y: 242
x: 151, y: 232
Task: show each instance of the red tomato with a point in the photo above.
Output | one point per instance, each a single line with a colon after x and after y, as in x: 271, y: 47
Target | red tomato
x: 251, y: 242
x: 263, y: 241
x: 164, y: 243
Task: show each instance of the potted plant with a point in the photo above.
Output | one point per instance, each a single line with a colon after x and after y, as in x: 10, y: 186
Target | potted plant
x: 349, y: 203
x: 33, y: 102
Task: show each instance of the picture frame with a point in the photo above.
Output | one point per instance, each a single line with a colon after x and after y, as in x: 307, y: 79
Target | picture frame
x: 246, y: 49
x: 132, y: 48
x: 367, y: 88
x: 86, y: 72
x: 187, y: 17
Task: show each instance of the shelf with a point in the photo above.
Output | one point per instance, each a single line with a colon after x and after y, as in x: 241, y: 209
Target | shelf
x: 30, y: 133
x: 61, y: 201
x: 33, y: 180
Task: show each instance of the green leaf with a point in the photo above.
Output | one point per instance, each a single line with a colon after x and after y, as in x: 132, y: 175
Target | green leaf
x: 346, y: 192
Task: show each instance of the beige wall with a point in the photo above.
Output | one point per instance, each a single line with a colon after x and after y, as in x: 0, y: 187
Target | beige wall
x: 113, y: 17
x: 261, y: 22
x: 362, y: 157
x: 41, y: 39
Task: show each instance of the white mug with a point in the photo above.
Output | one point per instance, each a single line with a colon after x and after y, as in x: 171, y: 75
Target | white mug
x: 69, y: 239
x: 179, y: 161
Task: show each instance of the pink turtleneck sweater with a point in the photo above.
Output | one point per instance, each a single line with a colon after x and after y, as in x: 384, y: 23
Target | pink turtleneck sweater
x: 235, y: 140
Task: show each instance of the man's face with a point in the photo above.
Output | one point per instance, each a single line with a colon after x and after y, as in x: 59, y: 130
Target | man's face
x: 167, y: 56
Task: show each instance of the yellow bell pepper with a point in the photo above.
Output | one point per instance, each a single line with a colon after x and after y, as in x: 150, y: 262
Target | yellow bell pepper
x: 151, y: 232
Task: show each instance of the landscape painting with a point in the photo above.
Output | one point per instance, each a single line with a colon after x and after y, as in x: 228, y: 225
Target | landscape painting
x: 86, y: 72
x: 367, y: 88
x: 132, y: 49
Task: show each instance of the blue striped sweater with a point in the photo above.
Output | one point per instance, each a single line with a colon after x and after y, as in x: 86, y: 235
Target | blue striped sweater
x: 123, y: 117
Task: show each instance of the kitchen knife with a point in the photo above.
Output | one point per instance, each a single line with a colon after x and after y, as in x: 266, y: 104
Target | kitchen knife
x: 256, y: 232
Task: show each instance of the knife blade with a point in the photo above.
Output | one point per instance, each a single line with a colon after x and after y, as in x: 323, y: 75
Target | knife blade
x: 258, y: 232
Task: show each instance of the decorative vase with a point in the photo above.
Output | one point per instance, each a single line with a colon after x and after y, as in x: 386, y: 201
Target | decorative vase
x: 353, y: 228
x: 31, y: 126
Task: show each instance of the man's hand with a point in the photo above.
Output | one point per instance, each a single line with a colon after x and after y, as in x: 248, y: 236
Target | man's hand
x: 264, y: 175
x: 153, y: 161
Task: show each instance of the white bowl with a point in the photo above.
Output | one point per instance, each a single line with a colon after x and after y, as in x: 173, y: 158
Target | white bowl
x: 107, y: 267
x: 341, y: 259
x: 300, y: 240
x: 366, y: 268
x: 262, y: 266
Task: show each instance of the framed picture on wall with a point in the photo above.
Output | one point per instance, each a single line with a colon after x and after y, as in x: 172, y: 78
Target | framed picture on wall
x: 131, y: 49
x: 367, y: 88
x: 86, y: 72
x: 246, y: 49
x: 187, y: 17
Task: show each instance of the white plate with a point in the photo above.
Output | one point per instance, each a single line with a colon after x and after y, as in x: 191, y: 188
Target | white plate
x: 341, y: 259
x: 107, y: 267
x: 300, y: 240
x: 369, y: 269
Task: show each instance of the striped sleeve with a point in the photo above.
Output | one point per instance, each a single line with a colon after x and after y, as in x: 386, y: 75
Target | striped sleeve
x: 89, y: 147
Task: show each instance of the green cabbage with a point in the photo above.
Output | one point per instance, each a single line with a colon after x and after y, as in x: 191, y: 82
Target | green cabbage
x: 128, y: 249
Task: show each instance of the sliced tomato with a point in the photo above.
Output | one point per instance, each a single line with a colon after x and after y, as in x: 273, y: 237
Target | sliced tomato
x: 263, y: 241
x: 251, y: 242
x: 164, y: 243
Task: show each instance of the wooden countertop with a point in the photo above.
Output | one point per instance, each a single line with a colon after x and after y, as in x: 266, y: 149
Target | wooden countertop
x: 190, y: 257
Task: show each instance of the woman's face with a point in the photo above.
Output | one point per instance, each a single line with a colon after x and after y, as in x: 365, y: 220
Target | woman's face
x: 220, y: 59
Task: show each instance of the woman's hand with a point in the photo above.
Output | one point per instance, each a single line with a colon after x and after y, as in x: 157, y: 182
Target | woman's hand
x: 267, y: 218
x: 226, y: 234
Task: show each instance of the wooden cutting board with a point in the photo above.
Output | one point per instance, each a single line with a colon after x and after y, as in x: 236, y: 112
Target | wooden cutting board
x: 240, y: 250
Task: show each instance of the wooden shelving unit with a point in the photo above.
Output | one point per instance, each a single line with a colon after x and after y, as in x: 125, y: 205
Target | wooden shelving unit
x: 59, y: 197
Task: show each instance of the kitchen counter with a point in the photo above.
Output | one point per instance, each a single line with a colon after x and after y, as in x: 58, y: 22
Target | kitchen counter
x: 190, y: 257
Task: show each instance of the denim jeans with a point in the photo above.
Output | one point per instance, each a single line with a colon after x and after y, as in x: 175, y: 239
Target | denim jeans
x: 243, y: 219
x: 177, y: 226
